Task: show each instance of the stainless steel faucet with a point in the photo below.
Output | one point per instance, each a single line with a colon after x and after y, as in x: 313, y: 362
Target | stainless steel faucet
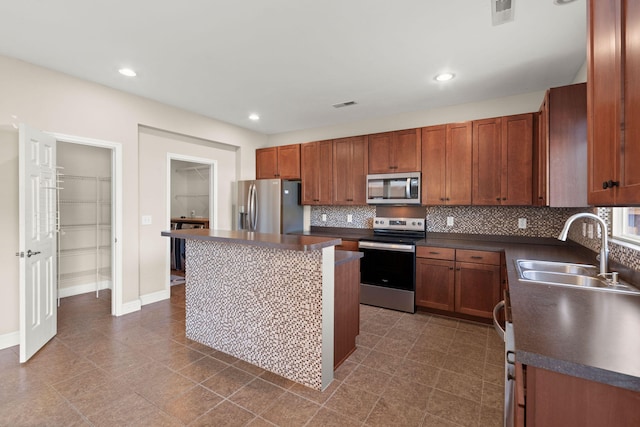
x: 604, y: 244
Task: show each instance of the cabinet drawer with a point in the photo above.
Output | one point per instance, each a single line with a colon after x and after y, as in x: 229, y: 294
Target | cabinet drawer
x: 435, y: 252
x: 480, y: 257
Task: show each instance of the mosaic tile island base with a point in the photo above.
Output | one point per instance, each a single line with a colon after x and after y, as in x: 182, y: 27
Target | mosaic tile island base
x: 265, y: 305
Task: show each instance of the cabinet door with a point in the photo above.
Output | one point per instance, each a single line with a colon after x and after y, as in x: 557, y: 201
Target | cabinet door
x: 289, y: 161
x: 629, y: 174
x: 406, y: 150
x: 487, y: 161
x: 459, y: 164
x: 477, y: 288
x: 603, y: 99
x: 350, y: 170
x: 435, y: 284
x: 267, y: 163
x: 310, y: 172
x: 517, y: 159
x: 380, y: 153
x: 434, y: 166
x: 358, y: 169
x: 541, y: 155
x: 316, y: 171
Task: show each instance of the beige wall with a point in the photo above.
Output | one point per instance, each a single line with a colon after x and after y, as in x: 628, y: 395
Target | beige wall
x: 55, y: 102
x: 154, y: 248
x: 517, y: 104
x: 9, y: 231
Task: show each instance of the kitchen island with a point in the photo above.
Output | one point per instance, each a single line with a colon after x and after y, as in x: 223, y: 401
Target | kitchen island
x: 267, y: 299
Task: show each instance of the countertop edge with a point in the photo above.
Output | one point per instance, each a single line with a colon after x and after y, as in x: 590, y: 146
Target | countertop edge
x: 274, y: 241
x: 578, y: 370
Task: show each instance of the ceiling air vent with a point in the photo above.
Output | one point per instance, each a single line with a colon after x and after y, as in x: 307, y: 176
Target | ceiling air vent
x: 344, y: 104
x: 502, y: 11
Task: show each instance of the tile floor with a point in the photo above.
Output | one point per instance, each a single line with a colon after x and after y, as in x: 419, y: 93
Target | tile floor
x: 139, y: 369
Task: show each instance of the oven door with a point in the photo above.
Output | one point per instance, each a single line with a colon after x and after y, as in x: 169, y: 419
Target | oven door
x: 389, y: 265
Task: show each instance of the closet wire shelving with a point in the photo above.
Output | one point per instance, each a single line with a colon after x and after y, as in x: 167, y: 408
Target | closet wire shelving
x: 94, y: 224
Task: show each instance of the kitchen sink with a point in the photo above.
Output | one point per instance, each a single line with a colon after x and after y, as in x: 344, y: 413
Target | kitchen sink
x: 568, y: 274
x: 558, y: 267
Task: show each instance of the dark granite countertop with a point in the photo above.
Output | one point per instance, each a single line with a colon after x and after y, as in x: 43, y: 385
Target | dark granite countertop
x: 586, y: 333
x: 343, y: 233
x: 276, y: 241
x: 347, y: 256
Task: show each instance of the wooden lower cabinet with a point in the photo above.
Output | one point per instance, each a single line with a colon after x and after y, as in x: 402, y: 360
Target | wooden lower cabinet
x: 477, y: 288
x: 346, y: 321
x: 558, y: 400
x: 435, y: 284
x: 460, y: 281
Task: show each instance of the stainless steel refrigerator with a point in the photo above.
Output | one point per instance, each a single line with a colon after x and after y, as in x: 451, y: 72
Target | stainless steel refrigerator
x: 269, y: 206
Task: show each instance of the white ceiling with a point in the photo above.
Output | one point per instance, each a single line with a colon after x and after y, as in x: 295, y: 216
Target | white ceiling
x: 290, y: 60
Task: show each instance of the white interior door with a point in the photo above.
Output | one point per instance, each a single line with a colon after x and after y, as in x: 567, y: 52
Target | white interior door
x: 37, y: 213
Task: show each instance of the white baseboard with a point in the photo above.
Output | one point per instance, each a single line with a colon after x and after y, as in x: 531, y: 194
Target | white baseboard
x: 129, y: 307
x: 9, y: 340
x: 155, y: 297
x: 83, y: 289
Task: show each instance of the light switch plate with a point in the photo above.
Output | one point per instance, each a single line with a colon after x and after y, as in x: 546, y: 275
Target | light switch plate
x: 324, y: 217
x: 146, y: 220
x: 590, y: 231
x: 449, y: 221
x: 349, y: 218
x: 522, y: 223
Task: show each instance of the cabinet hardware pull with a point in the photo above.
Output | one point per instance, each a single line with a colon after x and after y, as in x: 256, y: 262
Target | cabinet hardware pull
x: 476, y: 257
x: 498, y: 198
x: 434, y: 253
x: 610, y: 184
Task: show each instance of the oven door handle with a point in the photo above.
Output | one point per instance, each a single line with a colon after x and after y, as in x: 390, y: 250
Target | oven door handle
x: 395, y: 247
x: 499, y: 306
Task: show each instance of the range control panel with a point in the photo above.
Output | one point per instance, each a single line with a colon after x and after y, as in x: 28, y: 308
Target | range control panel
x: 403, y: 224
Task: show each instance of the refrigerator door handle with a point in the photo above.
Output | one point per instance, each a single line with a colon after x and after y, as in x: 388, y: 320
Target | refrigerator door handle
x: 253, y: 208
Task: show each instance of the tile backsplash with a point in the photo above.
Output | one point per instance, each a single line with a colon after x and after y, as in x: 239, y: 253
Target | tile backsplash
x: 493, y: 220
x: 489, y: 220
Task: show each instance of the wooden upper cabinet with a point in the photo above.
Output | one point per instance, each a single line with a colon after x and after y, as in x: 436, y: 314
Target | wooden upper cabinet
x: 317, y: 172
x: 350, y: 157
x: 267, y: 163
x: 613, y: 102
x: 446, y: 164
x: 281, y: 162
x: 502, y: 160
x: 560, y: 148
x: 392, y: 152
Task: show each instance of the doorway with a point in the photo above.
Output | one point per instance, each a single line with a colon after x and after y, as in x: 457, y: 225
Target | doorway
x: 84, y: 219
x: 90, y: 218
x: 191, y: 204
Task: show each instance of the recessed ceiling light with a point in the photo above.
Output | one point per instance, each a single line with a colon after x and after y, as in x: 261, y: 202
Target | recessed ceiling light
x: 443, y: 77
x: 254, y: 117
x: 127, y: 72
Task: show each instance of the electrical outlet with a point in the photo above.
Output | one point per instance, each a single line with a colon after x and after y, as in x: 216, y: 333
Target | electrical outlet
x: 590, y: 231
x: 522, y: 222
x: 349, y: 218
x: 324, y: 217
x: 146, y: 220
x: 449, y: 221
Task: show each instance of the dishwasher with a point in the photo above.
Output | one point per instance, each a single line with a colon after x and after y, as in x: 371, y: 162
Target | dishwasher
x: 509, y: 357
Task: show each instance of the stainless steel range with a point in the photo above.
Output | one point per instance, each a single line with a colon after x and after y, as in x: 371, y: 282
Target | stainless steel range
x: 388, y: 268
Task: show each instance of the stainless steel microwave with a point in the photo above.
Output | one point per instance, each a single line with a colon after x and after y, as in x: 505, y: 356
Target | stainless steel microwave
x: 394, y: 189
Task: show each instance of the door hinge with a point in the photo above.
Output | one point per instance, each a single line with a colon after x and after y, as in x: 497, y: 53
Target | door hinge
x: 20, y: 254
